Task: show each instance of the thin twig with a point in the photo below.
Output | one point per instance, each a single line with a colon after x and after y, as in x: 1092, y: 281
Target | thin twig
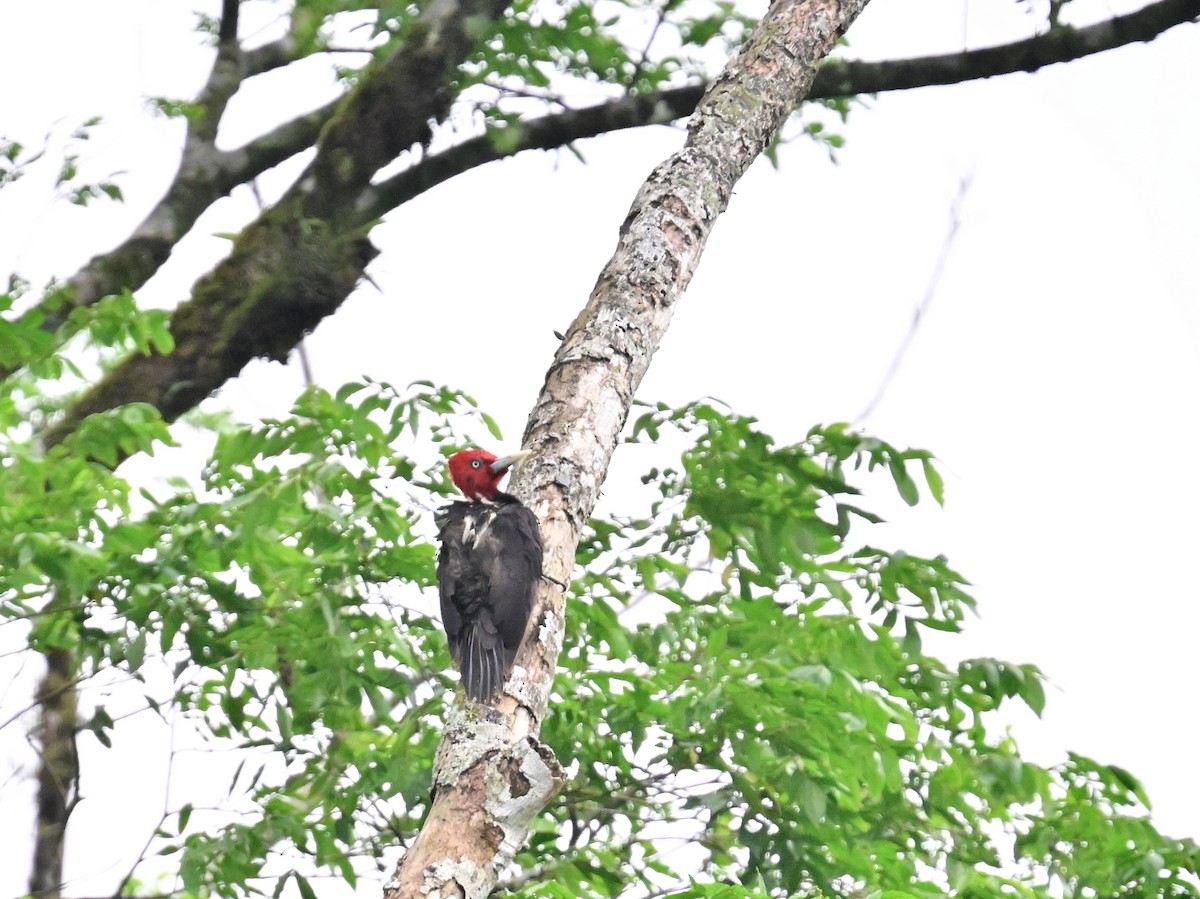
x: 641, y: 63
x: 926, y: 301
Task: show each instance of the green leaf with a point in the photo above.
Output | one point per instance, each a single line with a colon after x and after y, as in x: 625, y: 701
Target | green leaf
x: 934, y: 479
x: 906, y: 486
x: 490, y: 424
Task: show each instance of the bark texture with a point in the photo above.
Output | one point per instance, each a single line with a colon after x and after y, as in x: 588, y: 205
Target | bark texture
x: 493, y: 776
x: 299, y: 260
x: 205, y: 175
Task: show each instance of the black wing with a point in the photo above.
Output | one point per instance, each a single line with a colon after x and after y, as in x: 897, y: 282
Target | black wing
x: 488, y: 571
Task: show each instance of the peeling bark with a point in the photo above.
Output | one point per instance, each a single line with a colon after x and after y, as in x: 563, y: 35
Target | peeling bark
x: 574, y: 429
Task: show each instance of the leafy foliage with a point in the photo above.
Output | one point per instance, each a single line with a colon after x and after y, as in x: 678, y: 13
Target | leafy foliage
x: 778, y: 716
x: 274, y: 597
x: 744, y: 701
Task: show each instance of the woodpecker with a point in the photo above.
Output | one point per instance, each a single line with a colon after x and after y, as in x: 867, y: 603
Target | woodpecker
x: 488, y: 570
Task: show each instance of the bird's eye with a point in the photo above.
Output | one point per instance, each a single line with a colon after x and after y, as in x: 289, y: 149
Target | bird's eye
x: 475, y: 463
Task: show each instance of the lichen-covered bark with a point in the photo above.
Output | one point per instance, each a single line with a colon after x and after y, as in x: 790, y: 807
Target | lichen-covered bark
x: 205, y: 175
x: 300, y: 260
x: 283, y: 277
x: 470, y: 834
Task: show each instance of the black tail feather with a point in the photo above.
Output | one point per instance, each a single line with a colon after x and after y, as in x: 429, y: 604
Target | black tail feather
x: 482, y: 664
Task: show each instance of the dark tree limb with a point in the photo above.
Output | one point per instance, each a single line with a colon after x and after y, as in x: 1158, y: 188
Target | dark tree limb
x: 393, y: 107
x: 298, y: 261
x: 837, y: 78
x: 1062, y: 44
x: 205, y: 177
x: 194, y: 188
x: 58, y: 724
x: 268, y: 57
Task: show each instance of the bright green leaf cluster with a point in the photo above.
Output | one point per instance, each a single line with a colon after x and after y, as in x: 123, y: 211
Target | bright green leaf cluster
x: 744, y: 703
x: 770, y: 715
x: 113, y: 326
x: 282, y: 598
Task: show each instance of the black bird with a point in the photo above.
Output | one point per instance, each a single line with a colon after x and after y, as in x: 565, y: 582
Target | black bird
x: 488, y: 570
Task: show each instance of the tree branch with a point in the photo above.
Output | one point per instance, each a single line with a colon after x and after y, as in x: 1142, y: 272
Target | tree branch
x: 268, y: 57
x: 545, y: 133
x: 144, y: 252
x: 922, y: 309
x: 1064, y: 44
x: 192, y: 191
x: 288, y: 270
x: 493, y: 776
x: 197, y: 187
x: 298, y: 261
x: 205, y: 175
x: 837, y: 78
x: 391, y: 109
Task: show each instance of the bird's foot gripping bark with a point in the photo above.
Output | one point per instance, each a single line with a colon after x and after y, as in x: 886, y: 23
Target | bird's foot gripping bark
x: 470, y: 740
x: 555, y: 581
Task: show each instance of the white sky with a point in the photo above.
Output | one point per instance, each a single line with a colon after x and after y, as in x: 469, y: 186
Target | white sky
x: 1054, y: 375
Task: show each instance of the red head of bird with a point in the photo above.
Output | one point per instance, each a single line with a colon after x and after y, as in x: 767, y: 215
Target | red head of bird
x: 478, y: 473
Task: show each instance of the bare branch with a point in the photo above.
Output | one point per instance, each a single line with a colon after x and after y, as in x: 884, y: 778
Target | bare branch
x: 926, y: 301
x: 205, y: 175
x: 545, y: 133
x: 268, y: 57
x: 1064, y: 44
x: 192, y: 191
x: 164, y: 814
